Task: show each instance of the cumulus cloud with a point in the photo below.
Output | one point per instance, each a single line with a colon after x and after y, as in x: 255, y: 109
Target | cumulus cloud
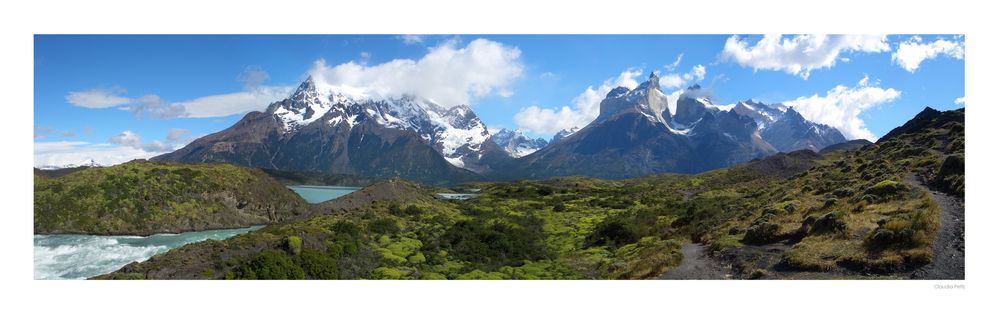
x: 98, y: 98
x: 448, y: 74
x: 913, y: 52
x: 959, y: 101
x: 841, y: 107
x: 130, y: 139
x: 676, y: 80
x: 63, y: 153
x: 799, y: 55
x: 222, y: 105
x: 585, y: 107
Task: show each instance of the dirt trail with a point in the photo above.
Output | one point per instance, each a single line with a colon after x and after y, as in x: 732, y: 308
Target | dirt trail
x: 948, y: 249
x: 697, y: 264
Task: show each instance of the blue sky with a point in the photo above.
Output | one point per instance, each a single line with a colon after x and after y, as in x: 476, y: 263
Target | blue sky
x: 113, y: 98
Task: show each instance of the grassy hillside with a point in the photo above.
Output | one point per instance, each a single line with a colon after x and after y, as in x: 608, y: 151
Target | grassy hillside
x: 852, y: 213
x: 140, y: 198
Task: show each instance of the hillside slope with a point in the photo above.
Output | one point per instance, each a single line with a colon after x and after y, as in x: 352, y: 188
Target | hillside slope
x: 142, y: 198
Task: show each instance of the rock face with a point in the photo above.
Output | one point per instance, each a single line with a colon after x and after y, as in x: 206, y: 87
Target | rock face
x: 343, y: 131
x: 142, y: 198
x: 516, y: 143
x: 636, y: 135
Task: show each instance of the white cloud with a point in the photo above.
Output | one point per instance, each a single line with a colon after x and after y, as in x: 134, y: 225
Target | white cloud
x: 155, y: 107
x: 175, y: 135
x: 959, y: 101
x: 913, y: 52
x: 130, y: 139
x: 672, y: 66
x: 97, y: 98
x: 841, y: 107
x: 585, y: 107
x: 255, y: 96
x: 223, y: 105
x: 411, y: 39
x: 58, y: 154
x: 675, y: 80
x: 448, y: 74
x: 799, y: 55
x: 126, y: 138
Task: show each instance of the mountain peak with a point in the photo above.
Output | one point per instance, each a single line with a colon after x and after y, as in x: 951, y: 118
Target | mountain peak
x: 694, y: 87
x: 308, y: 85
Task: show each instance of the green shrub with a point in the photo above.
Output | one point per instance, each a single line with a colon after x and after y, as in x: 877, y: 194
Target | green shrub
x: 294, y: 245
x: 830, y: 222
x: 950, y: 174
x: 318, y: 265
x: 908, y: 231
x: 270, y: 264
x: 383, y: 226
x: 886, y: 188
x: 413, y: 210
x: 761, y: 233
x: 611, y: 233
x: 388, y: 273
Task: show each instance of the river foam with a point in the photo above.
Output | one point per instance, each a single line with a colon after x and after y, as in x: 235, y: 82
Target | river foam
x: 65, y: 256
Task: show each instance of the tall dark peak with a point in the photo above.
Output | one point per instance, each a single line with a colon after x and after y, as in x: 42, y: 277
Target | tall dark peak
x: 928, y: 118
x: 617, y: 92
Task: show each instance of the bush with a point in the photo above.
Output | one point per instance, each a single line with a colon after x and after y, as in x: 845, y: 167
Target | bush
x: 843, y: 192
x: 413, y: 210
x: 388, y: 273
x: 761, y: 233
x: 294, y: 245
x: 831, y: 222
x: 611, y: 233
x: 559, y: 207
x: 318, y: 265
x: 383, y: 226
x: 886, y: 188
x: 270, y: 264
x: 909, y: 231
x: 950, y: 174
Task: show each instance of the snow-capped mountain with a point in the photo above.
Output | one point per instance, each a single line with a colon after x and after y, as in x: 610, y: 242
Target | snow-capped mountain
x: 563, y: 134
x: 88, y: 163
x: 786, y: 129
x: 352, y: 131
x: 516, y: 143
x: 456, y: 132
x: 635, y: 135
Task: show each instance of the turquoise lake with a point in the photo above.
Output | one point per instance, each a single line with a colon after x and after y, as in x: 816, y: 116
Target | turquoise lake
x: 318, y: 194
x: 72, y: 256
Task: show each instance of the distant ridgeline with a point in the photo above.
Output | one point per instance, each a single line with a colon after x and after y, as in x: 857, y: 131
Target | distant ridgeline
x: 322, y: 129
x: 856, y: 211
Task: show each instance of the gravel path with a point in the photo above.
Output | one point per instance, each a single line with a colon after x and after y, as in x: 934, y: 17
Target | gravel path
x: 948, y: 249
x: 696, y: 264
